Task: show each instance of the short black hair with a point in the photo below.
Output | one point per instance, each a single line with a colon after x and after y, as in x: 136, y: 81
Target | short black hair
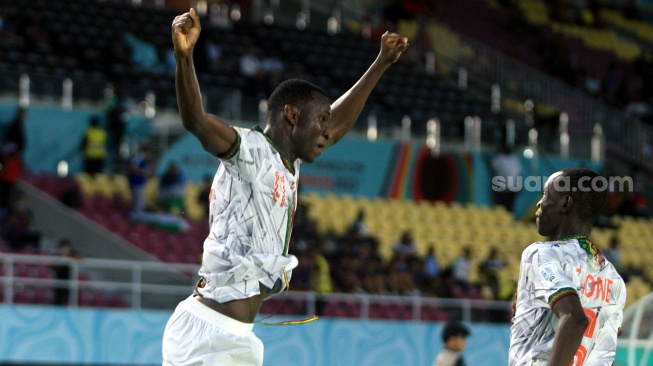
x: 454, y: 328
x: 588, y: 202
x: 292, y: 91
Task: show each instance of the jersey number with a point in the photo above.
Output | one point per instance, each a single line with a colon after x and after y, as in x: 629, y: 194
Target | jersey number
x: 579, y: 358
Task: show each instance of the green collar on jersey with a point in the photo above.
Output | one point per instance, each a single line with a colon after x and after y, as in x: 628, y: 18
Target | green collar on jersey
x: 594, y: 254
x: 574, y: 236
x: 286, y: 162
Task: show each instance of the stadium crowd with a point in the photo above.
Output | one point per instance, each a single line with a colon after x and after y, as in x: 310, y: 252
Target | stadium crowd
x: 350, y: 263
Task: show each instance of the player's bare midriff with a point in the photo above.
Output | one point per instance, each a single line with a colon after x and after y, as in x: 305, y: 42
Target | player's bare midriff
x: 244, y: 310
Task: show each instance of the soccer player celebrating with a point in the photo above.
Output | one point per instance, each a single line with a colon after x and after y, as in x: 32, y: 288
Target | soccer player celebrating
x: 252, y: 203
x: 570, y: 299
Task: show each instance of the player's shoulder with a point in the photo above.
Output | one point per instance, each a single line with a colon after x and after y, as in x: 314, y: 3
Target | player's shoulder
x: 539, y: 245
x: 251, y: 136
x: 544, y: 248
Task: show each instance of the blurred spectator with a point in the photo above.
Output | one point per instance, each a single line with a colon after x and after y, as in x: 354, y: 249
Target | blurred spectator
x: 10, y: 172
x: 640, y: 109
x: 94, y: 147
x: 610, y: 83
x: 454, y: 336
x: 461, y: 268
x: 506, y: 165
x: 63, y: 272
x: 406, y: 245
x: 373, y: 272
x: 320, y: 278
x: 204, y: 194
x: 273, y: 68
x: 591, y: 83
x: 18, y: 226
x: 140, y: 169
x: 172, y: 189
x: 15, y: 133
x: 401, y: 279
x: 358, y: 226
x: 117, y: 109
x: 431, y: 264
x: 612, y: 252
x: 214, y: 51
x: 490, y: 272
x: 252, y: 69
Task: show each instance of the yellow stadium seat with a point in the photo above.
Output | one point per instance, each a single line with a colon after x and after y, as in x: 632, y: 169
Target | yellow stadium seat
x: 120, y: 184
x: 87, y: 185
x: 104, y: 184
x: 151, y: 191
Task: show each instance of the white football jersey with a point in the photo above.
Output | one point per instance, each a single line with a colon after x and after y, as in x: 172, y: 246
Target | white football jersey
x: 252, y: 205
x: 550, y: 271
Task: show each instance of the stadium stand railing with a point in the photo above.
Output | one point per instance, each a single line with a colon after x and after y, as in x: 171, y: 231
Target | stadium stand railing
x: 142, y: 281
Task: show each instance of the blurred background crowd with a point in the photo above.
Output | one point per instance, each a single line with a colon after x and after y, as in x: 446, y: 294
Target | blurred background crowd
x: 563, y: 67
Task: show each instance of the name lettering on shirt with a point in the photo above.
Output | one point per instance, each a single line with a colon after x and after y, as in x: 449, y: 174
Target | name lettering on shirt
x: 597, y: 287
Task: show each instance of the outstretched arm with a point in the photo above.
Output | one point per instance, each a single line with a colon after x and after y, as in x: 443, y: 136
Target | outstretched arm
x: 571, y: 326
x: 214, y: 134
x: 345, y: 110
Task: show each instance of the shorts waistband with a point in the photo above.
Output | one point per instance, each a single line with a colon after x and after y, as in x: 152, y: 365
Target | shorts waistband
x: 193, y: 306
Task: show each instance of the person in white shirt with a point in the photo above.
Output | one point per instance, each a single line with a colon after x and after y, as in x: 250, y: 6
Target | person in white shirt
x: 252, y: 202
x: 570, y: 298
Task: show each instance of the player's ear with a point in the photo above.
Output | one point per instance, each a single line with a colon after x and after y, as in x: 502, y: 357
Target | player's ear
x: 566, y: 203
x: 292, y: 114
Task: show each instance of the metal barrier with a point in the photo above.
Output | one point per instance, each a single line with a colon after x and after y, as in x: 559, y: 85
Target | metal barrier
x: 132, y: 278
x: 141, y: 280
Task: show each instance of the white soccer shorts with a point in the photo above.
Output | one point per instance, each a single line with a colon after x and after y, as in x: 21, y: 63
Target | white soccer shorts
x: 199, y: 336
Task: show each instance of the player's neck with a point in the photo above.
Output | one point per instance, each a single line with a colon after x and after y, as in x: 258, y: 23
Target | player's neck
x: 576, y: 231
x: 281, y: 141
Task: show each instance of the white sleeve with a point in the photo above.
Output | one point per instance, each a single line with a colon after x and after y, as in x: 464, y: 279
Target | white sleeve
x: 246, y: 156
x: 550, y: 281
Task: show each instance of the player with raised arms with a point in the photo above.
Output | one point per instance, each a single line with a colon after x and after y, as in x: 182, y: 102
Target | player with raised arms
x: 253, y: 200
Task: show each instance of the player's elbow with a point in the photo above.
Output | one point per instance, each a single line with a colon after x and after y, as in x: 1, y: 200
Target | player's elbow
x: 578, y: 322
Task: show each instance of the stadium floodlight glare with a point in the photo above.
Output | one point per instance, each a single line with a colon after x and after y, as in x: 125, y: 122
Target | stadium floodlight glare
x: 62, y: 169
x: 268, y: 17
x: 510, y: 133
x: 462, y: 78
x: 67, y: 95
x: 302, y: 20
x: 433, y: 136
x: 235, y: 12
x: 496, y: 99
x: 332, y: 26
x: 372, y: 131
x: 23, y: 91
x: 597, y: 143
x: 528, y: 109
x: 262, y: 112
x: 405, y: 128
